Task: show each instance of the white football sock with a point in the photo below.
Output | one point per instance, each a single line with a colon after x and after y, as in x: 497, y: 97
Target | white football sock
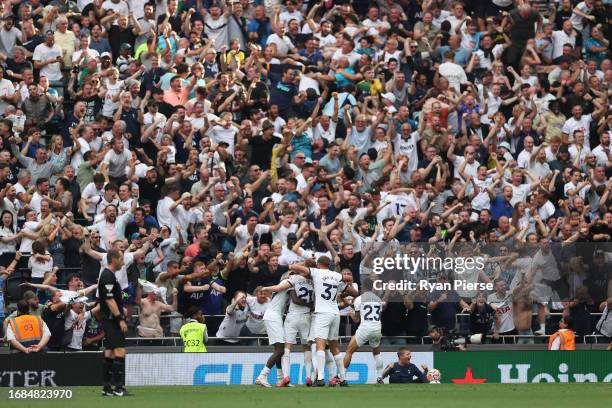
x: 543, y: 327
x: 320, y: 365
x: 308, y: 363
x: 264, y: 372
x: 379, y: 365
x: 330, y: 364
x: 279, y: 373
x: 286, y: 362
x: 339, y: 359
x: 313, y: 352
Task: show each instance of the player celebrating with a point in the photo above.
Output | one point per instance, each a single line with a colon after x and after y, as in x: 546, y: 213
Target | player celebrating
x: 297, y: 322
x: 114, y: 325
x: 273, y: 319
x: 326, y: 319
x: 368, y: 308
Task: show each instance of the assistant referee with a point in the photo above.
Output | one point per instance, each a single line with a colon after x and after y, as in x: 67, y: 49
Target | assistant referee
x: 114, y: 326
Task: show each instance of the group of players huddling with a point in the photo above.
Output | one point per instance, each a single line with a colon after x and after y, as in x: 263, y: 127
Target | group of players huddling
x: 302, y: 286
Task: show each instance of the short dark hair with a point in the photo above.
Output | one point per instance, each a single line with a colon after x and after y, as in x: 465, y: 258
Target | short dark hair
x: 98, y: 178
x: 111, y: 186
x: 23, y: 308
x: 73, y: 276
x: 192, y: 312
x: 64, y: 182
x: 113, y: 255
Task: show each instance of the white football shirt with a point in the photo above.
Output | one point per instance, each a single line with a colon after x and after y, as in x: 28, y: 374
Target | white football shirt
x: 327, y: 284
x: 304, y: 290
x: 370, y: 309
x: 277, y: 306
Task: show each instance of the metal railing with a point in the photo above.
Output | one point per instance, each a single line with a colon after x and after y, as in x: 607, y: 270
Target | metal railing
x: 421, y: 340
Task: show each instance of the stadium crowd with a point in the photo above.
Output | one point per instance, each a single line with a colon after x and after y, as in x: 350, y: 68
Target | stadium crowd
x: 215, y: 143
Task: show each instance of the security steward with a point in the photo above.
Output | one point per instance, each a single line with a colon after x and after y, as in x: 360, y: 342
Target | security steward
x: 25, y: 332
x: 563, y: 339
x: 193, y: 332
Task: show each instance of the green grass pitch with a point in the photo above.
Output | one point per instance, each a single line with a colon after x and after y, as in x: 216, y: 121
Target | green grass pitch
x: 357, y: 396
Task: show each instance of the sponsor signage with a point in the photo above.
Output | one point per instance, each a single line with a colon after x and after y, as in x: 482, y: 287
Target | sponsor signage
x: 50, y: 369
x: 477, y: 367
x: 240, y: 368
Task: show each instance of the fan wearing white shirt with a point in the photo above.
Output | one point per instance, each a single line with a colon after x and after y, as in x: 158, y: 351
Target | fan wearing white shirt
x: 224, y: 131
x: 471, y: 168
x: 537, y: 163
x: 520, y: 190
x: 578, y: 150
x: 281, y: 44
x: 480, y: 194
x: 578, y: 186
x: 84, y: 54
x: 454, y: 73
x: 457, y: 17
x: 291, y: 13
x: 566, y: 35
x: 287, y: 227
x: 165, y: 207
x: 488, y: 53
x: 545, y: 208
x: 523, y: 158
x: 581, y: 122
x: 603, y: 150
x: 244, y: 233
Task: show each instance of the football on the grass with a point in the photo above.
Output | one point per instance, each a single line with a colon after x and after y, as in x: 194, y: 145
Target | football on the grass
x: 434, y: 376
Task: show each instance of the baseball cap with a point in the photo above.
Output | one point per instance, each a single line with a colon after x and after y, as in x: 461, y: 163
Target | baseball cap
x: 150, y: 168
x: 80, y: 299
x: 223, y: 144
x: 106, y: 54
x: 265, y: 200
x: 563, y: 149
x: 505, y: 145
x: 135, y: 235
x: 291, y: 236
x: 388, y: 96
x: 126, y: 46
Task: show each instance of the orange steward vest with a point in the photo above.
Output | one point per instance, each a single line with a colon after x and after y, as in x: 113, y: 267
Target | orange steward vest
x: 27, y: 328
x: 567, y: 340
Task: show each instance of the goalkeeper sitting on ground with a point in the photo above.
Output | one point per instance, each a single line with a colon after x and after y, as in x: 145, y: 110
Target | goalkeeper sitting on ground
x: 404, y: 372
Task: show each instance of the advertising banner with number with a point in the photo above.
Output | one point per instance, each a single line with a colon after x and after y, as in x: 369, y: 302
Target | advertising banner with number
x: 239, y: 368
x: 478, y: 367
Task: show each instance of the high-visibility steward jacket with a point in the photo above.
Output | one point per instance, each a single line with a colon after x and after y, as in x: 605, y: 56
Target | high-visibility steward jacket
x: 192, y: 334
x: 567, y: 340
x: 28, y: 329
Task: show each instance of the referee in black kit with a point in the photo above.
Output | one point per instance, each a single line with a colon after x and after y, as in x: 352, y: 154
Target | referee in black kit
x: 114, y: 326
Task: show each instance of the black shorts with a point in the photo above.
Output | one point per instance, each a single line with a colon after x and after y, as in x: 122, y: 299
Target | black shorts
x: 113, y: 338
